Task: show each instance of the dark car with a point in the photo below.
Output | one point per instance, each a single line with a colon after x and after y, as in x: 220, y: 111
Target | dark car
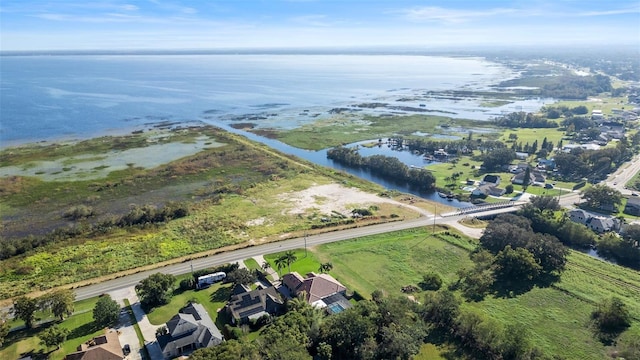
x: 126, y: 349
x: 548, y: 186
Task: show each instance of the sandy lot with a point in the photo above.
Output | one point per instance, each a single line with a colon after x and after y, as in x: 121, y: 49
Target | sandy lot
x: 335, y: 197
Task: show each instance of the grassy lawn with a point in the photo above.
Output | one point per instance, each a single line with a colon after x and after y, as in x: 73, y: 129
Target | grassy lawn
x: 19, y: 343
x: 303, y: 265
x: 388, y: 262
x: 531, y: 135
x: 557, y: 316
x: 252, y: 264
x: 604, y: 103
x: 212, y: 298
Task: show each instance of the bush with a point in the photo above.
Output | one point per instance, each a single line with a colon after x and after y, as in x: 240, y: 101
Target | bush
x: 611, y: 316
x: 78, y: 212
x: 187, y: 284
x: 431, y: 281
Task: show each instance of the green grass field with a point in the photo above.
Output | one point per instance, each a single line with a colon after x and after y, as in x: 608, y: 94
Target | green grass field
x: 531, y: 135
x: 212, y: 298
x: 557, y: 316
x: 303, y: 265
x: 80, y: 325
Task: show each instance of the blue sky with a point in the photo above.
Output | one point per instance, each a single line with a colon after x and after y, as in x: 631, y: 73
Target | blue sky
x: 218, y: 24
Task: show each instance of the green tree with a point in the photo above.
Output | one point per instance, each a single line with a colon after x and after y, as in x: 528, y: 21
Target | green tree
x: 431, y: 281
x: 266, y: 266
x: 494, y: 160
x: 441, y: 308
x: 156, y: 289
x: 601, y: 195
x: 526, y: 179
x: 611, y: 317
x: 515, y: 266
x: 241, y: 276
x: 574, y: 234
x: 287, y: 258
x: 632, y: 232
x: 326, y: 267
x: 228, y: 350
x: 53, y: 336
x: 4, y: 328
x: 106, y: 312
x: 24, y: 308
x: 351, y: 333
x: 542, y: 203
x: 60, y: 302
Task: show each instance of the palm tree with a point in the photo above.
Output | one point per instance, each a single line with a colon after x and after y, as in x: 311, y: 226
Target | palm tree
x: 266, y: 266
x: 326, y: 267
x: 289, y: 257
x: 280, y: 263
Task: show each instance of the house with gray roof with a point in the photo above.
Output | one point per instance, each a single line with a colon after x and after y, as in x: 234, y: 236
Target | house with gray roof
x: 632, y: 207
x: 191, y: 329
x: 599, y: 224
x: 246, y: 304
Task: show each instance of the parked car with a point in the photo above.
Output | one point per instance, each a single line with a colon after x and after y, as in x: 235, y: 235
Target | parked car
x: 548, y: 186
x: 126, y: 349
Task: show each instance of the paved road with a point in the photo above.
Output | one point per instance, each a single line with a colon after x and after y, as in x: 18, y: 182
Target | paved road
x: 623, y: 175
x: 237, y: 255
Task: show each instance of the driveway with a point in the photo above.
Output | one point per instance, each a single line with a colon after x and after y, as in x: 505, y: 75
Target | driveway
x: 148, y: 330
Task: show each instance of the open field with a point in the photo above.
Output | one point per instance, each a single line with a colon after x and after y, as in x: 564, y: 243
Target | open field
x: 557, y: 316
x: 239, y: 194
x: 604, y: 103
x: 347, y: 129
x: 530, y: 135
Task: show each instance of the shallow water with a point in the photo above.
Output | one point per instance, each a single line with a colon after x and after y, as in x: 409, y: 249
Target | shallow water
x: 52, y: 97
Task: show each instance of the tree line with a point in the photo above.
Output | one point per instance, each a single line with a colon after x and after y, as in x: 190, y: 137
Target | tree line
x: 623, y: 249
x: 523, y: 119
x: 60, y: 303
x: 592, y: 164
x: 381, y: 328
x: 385, y: 166
x: 137, y: 216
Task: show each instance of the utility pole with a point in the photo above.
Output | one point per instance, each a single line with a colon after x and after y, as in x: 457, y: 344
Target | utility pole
x: 434, y: 219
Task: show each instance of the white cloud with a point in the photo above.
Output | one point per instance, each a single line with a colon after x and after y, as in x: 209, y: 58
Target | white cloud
x: 129, y: 7
x: 312, y: 20
x: 439, y: 14
x: 634, y: 10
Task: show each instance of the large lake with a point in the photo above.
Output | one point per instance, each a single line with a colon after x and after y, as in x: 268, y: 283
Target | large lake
x: 52, y: 97
x: 81, y: 96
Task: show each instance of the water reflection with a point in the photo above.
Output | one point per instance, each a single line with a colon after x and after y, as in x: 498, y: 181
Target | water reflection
x: 320, y: 158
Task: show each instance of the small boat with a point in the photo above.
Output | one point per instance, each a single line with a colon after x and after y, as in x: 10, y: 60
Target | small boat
x: 442, y: 195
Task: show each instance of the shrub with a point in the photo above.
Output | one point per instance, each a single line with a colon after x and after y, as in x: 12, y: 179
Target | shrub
x: 78, y: 212
x: 431, y: 281
x: 187, y: 284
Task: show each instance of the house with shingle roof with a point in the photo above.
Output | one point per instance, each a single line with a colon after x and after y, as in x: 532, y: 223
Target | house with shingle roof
x: 246, y: 304
x: 319, y: 290
x: 103, y: 347
x: 191, y: 329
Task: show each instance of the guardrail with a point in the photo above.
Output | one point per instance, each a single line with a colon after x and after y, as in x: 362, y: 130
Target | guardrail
x: 481, y: 208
